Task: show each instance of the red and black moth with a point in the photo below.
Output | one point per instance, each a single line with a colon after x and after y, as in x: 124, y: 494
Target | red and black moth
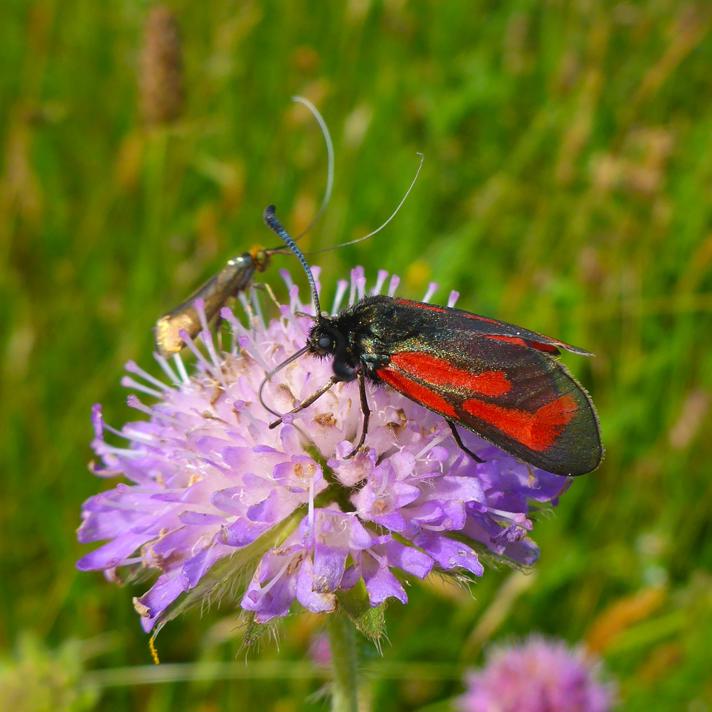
x: 498, y: 380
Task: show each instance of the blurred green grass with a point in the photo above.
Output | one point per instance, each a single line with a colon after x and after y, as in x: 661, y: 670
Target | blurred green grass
x: 566, y: 187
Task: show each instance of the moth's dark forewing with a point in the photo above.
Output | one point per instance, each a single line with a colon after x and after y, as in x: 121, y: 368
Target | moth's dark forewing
x: 492, y: 329
x: 510, y: 392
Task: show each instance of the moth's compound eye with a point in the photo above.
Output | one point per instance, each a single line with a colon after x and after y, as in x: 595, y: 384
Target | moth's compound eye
x: 325, y: 342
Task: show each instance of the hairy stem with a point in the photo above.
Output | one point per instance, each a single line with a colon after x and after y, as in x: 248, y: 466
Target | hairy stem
x: 342, y: 639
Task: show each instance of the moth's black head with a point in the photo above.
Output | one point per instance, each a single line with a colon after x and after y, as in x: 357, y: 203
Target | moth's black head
x: 325, y: 339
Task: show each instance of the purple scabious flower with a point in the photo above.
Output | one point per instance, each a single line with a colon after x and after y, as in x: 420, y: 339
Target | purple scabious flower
x: 538, y: 675
x: 218, y: 503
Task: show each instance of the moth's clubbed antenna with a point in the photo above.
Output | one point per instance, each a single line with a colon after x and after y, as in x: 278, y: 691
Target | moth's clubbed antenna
x: 273, y: 224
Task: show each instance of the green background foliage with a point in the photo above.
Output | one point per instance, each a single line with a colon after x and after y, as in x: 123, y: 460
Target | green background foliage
x: 566, y: 187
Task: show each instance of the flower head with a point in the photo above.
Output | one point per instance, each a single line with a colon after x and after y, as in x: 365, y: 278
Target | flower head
x: 539, y: 675
x: 214, y: 493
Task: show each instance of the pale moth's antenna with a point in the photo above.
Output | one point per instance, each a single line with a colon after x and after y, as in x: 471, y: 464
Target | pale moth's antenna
x: 329, y: 161
x: 421, y: 159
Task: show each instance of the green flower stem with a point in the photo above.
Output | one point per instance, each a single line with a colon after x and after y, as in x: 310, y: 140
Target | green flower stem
x: 342, y: 640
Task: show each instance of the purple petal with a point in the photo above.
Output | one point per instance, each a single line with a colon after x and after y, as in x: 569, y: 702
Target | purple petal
x: 112, y: 554
x: 328, y: 567
x: 272, y: 600
x: 382, y: 585
x: 409, y: 559
x: 450, y: 554
x: 166, y: 589
x: 243, y: 532
x: 311, y: 592
x: 199, y: 519
x: 463, y: 489
x: 97, y: 421
x: 197, y: 566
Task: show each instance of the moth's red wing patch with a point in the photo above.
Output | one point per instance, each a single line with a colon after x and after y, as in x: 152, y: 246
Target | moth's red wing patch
x: 546, y: 347
x: 479, y: 317
x: 516, y: 340
x: 537, y: 431
x: 441, y: 372
x: 417, y: 392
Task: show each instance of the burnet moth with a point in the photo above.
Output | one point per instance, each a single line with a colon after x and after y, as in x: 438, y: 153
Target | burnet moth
x: 500, y: 381
x: 236, y: 275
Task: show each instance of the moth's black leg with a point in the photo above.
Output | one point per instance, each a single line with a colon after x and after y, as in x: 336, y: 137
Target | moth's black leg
x: 459, y: 442
x: 306, y: 403
x: 366, y: 414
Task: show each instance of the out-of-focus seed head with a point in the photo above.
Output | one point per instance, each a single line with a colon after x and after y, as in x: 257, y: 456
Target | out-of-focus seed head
x: 161, y: 68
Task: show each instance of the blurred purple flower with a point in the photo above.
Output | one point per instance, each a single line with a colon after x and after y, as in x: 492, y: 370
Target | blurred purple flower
x: 208, y: 480
x: 538, y: 675
x: 320, y: 650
